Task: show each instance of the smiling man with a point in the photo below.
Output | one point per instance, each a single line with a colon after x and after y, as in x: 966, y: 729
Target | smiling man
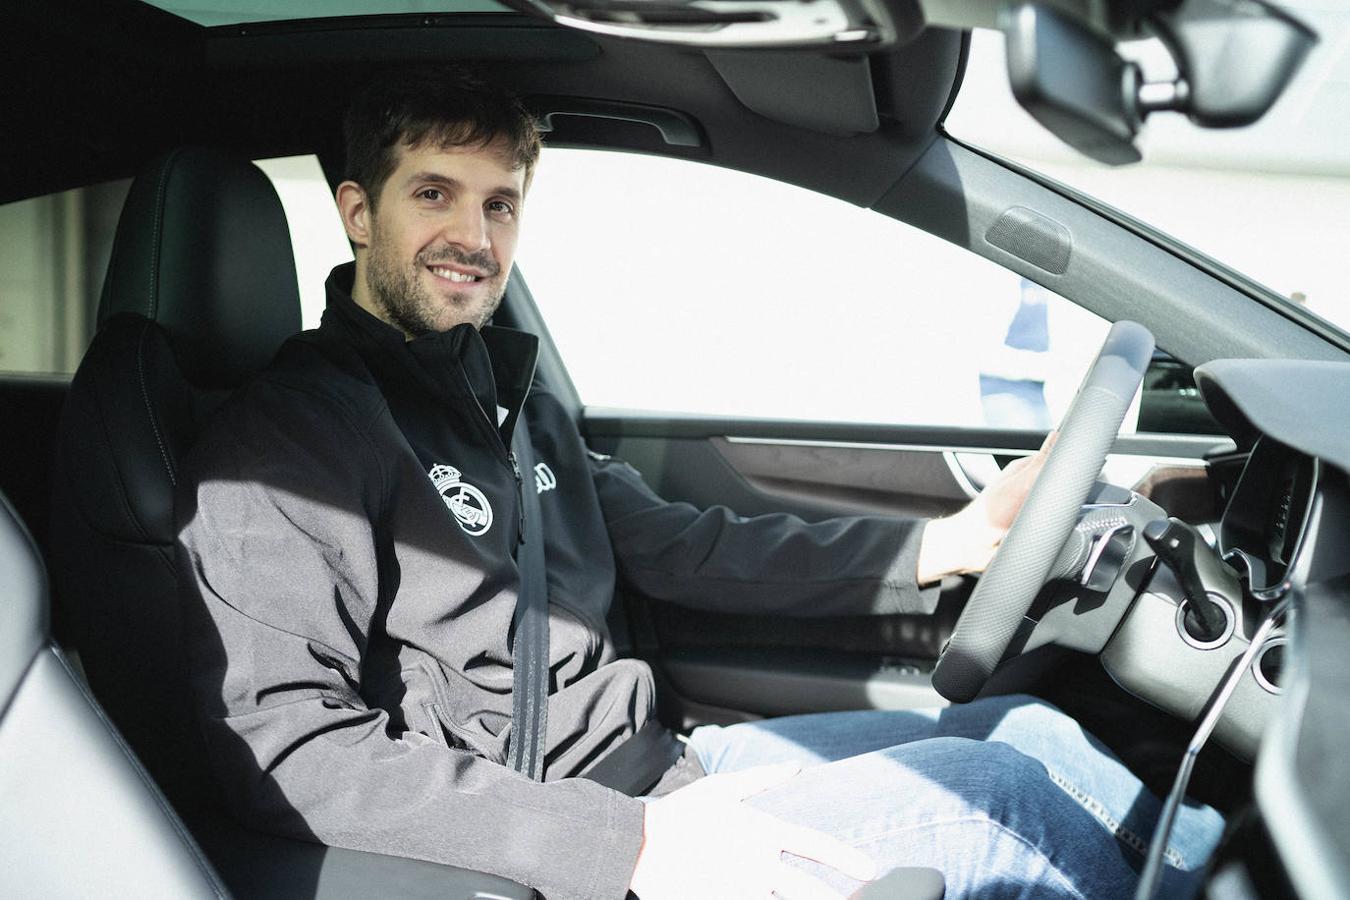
x: 354, y: 541
x: 440, y: 253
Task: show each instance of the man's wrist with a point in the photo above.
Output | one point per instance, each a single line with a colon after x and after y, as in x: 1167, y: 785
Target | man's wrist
x: 957, y: 545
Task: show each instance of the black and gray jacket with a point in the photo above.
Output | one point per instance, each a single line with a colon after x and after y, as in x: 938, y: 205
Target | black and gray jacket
x: 348, y: 526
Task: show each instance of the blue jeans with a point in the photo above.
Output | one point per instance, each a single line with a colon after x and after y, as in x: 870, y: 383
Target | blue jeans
x: 1006, y: 796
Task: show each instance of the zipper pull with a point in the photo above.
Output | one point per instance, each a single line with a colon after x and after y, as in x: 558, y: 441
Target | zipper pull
x: 520, y: 496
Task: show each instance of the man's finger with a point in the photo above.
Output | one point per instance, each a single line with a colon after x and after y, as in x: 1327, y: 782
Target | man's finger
x: 827, y: 850
x: 791, y: 883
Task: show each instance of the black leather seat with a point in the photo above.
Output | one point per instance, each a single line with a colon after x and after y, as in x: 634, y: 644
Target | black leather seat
x: 200, y: 293
x: 80, y: 817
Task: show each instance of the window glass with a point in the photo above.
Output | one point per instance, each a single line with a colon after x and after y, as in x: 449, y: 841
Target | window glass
x: 58, y: 246
x: 1271, y: 200
x: 56, y: 253
x: 317, y: 238
x: 232, y: 12
x: 675, y: 286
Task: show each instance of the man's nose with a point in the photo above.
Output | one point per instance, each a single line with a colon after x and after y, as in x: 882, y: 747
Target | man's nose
x: 467, y: 227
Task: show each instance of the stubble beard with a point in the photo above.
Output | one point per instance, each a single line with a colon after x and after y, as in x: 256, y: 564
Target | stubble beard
x: 405, y: 302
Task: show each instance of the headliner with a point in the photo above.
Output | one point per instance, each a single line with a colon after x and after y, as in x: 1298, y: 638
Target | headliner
x: 98, y: 88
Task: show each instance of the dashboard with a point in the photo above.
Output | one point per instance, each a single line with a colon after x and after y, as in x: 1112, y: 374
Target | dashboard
x: 1289, y: 515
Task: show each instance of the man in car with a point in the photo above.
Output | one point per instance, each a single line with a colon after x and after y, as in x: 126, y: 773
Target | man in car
x: 350, y: 526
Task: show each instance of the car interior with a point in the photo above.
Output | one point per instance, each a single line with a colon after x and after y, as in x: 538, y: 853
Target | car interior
x: 1210, y: 594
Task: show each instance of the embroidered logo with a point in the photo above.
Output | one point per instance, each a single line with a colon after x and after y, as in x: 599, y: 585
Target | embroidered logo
x: 466, y: 503
x: 544, y: 479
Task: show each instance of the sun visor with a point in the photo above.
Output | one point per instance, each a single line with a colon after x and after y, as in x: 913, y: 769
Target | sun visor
x: 830, y: 94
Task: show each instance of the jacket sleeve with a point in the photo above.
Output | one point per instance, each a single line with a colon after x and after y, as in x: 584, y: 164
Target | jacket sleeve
x: 278, y: 562
x: 714, y: 559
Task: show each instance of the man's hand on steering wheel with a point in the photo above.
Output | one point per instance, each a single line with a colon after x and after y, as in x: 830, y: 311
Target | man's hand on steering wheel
x: 964, y: 543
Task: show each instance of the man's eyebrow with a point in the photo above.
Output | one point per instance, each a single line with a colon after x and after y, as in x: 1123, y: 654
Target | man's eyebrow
x: 510, y: 193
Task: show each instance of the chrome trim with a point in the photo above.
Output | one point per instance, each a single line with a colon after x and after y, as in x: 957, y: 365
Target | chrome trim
x: 1098, y: 548
x: 1260, y: 676
x: 864, y: 445
x: 1309, y: 854
x: 1180, y: 461
x: 1214, y: 709
x: 1134, y: 497
x: 958, y: 473
x: 1230, y: 623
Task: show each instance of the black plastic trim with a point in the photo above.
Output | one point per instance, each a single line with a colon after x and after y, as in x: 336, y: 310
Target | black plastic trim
x: 392, y: 39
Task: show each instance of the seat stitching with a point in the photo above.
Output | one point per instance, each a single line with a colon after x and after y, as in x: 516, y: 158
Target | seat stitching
x: 152, y: 301
x: 149, y: 410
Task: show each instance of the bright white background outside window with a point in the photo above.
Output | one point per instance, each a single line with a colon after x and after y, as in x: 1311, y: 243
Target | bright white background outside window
x: 1271, y: 200
x: 676, y: 286
x: 681, y: 287
x: 316, y: 230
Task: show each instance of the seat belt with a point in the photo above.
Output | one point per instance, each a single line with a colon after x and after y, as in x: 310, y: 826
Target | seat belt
x: 638, y: 763
x: 633, y: 766
x: 529, y: 655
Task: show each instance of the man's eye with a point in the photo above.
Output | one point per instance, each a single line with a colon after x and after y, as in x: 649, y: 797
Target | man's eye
x: 501, y: 207
x: 430, y: 194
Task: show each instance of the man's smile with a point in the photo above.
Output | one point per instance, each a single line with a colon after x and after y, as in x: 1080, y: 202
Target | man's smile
x: 459, y: 276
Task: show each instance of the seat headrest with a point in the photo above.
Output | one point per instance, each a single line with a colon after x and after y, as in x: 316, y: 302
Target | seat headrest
x: 203, y: 249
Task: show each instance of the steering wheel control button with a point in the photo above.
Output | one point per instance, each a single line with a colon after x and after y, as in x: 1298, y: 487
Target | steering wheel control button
x: 1268, y: 667
x: 1196, y: 635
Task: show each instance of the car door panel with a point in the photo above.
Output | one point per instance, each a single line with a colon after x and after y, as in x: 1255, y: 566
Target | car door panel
x: 768, y: 665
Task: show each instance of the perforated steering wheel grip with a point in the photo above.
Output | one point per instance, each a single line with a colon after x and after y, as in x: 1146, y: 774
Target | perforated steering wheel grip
x: 1009, y: 585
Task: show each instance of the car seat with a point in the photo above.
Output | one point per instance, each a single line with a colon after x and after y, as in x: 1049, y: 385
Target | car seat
x: 201, y: 291
x: 80, y: 816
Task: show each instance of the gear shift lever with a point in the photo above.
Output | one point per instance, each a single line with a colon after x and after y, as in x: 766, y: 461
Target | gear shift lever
x: 1176, y: 544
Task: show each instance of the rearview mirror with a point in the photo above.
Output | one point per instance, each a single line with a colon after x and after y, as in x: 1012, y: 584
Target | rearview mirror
x: 838, y: 24
x: 1234, y: 60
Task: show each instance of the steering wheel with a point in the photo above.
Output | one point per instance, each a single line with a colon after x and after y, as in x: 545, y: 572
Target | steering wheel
x: 1027, y: 553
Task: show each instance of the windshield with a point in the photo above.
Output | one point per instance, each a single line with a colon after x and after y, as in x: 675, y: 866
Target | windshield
x: 1271, y: 201
x: 234, y: 12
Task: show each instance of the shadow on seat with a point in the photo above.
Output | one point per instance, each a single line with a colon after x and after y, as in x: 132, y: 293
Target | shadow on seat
x: 80, y: 816
x: 200, y: 293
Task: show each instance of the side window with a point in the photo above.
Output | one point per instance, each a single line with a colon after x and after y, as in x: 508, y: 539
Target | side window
x: 56, y: 253
x: 57, y: 249
x: 317, y: 238
x: 681, y: 287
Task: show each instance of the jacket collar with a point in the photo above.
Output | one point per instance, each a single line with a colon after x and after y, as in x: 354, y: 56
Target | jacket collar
x: 494, y: 366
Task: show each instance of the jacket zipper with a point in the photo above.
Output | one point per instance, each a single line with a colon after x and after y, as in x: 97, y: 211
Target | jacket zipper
x: 520, y: 497
x: 510, y: 457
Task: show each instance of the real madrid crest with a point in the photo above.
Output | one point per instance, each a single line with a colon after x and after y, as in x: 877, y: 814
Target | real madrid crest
x: 466, y: 503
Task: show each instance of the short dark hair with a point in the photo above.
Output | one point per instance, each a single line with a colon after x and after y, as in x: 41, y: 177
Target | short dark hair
x: 447, y: 106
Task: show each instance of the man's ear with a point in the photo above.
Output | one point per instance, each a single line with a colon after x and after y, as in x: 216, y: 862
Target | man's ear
x: 354, y: 207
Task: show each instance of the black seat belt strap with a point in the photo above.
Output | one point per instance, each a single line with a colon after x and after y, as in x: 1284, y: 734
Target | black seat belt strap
x: 638, y: 763
x: 529, y: 654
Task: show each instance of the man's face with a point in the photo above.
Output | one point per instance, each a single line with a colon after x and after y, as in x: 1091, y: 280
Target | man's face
x: 440, y: 241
